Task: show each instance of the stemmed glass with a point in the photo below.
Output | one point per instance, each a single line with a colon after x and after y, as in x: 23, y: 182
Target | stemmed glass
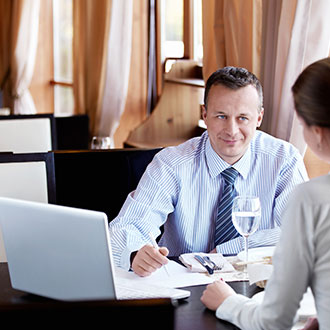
x: 246, y: 215
x: 101, y: 142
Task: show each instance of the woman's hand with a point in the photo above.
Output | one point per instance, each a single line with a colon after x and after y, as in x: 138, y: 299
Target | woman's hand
x: 215, y: 294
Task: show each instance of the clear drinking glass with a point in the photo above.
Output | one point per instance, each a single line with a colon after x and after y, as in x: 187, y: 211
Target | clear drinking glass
x: 101, y: 142
x: 246, y: 215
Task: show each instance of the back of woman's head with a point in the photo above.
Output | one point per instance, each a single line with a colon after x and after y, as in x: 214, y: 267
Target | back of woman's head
x: 311, y: 93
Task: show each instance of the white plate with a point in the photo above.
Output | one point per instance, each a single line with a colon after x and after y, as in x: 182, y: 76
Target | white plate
x: 257, y: 253
x: 307, y: 304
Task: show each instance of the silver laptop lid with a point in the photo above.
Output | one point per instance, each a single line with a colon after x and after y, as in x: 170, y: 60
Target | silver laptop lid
x: 56, y: 251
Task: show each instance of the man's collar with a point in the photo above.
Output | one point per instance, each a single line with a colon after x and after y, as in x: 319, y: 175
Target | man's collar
x: 216, y: 164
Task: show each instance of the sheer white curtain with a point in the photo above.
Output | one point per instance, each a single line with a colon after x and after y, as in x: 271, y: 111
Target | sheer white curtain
x: 18, y: 52
x: 118, y: 67
x: 296, y: 33
x: 24, y: 57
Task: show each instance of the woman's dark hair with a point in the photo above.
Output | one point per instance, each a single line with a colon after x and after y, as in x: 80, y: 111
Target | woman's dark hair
x: 311, y: 94
x: 233, y: 78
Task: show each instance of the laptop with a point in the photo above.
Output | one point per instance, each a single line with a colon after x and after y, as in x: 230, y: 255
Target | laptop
x: 64, y: 253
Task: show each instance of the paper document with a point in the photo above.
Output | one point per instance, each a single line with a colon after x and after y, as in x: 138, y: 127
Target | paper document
x: 179, y: 276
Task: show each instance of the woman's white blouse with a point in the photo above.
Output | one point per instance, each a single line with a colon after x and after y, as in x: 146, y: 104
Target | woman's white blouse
x: 301, y: 260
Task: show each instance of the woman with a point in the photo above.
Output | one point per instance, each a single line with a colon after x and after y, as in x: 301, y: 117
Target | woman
x: 302, y: 257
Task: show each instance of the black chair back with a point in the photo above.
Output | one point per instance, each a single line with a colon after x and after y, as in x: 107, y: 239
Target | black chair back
x: 99, y: 179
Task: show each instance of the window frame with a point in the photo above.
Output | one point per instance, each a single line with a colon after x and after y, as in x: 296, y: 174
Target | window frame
x: 58, y: 82
x: 188, y: 39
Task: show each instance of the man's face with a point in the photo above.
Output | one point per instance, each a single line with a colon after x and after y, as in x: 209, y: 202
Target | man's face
x: 232, y: 118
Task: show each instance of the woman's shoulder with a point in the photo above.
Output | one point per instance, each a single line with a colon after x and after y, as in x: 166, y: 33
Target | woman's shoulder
x: 314, y: 191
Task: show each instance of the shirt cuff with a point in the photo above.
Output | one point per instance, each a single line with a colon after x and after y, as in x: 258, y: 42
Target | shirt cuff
x: 233, y: 246
x: 228, y: 310
x: 125, y: 260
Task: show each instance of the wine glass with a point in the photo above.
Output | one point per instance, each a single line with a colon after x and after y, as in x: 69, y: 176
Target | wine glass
x: 246, y: 215
x: 101, y: 142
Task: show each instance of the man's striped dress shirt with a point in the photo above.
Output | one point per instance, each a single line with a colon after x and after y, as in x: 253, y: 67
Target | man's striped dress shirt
x: 181, y: 189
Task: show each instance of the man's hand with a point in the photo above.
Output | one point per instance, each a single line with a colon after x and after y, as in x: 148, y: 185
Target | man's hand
x: 148, y: 259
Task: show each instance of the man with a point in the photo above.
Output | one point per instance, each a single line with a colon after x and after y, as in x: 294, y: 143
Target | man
x: 189, y: 188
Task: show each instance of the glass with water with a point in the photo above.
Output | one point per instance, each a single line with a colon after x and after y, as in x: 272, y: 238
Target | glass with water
x: 246, y: 215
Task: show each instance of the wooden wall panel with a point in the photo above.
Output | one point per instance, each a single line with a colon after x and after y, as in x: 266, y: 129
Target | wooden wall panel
x: 177, y: 113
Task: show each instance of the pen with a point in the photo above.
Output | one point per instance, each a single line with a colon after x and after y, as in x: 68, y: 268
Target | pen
x: 155, y: 245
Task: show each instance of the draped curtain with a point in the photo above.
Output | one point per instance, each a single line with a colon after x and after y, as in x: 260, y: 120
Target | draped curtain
x: 18, y: 46
x: 118, y: 67
x: 101, y: 57
x: 276, y: 40
x: 231, y: 34
x: 91, y: 21
x: 303, y: 36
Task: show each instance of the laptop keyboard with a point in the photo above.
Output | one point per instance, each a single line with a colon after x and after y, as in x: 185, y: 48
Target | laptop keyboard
x: 145, y: 291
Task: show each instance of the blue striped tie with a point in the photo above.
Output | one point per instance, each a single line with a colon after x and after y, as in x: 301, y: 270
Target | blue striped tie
x: 224, y: 228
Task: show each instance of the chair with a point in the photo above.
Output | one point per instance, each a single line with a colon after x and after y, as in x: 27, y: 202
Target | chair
x: 72, y: 132
x: 27, y: 133
x: 99, y: 180
x: 29, y: 177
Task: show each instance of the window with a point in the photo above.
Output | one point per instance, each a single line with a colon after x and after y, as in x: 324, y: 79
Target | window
x: 180, y: 35
x: 63, y: 70
x: 181, y: 31
x: 173, y: 45
x: 198, y: 31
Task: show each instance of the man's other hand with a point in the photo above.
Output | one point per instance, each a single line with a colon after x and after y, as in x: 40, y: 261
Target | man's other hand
x: 148, y: 259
